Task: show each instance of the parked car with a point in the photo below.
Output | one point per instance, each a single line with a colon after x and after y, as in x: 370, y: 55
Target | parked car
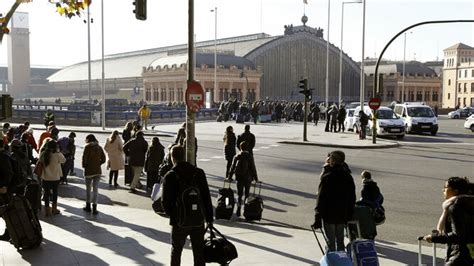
x: 469, y: 124
x: 461, y: 112
x: 417, y: 117
x: 350, y: 120
x: 388, y: 123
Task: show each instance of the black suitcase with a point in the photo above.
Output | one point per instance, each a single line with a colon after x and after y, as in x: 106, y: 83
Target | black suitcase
x: 253, y: 207
x: 22, y: 224
x: 33, y: 194
x: 239, y: 119
x: 152, y: 177
x: 225, y: 202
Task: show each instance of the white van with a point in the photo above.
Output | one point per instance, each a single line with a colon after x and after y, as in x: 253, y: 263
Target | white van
x: 388, y: 123
x: 417, y: 117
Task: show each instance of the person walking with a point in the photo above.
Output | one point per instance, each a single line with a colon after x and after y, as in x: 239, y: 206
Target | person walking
x: 50, y: 176
x: 92, y: 159
x: 229, y: 147
x: 335, y: 200
x: 315, y: 111
x: 114, y: 148
x: 333, y: 114
x: 455, y: 227
x: 6, y: 175
x: 176, y: 182
x: 126, y: 136
x: 144, y: 114
x: 48, y: 117
x: 68, y: 148
x: 154, y: 158
x: 247, y: 136
x: 181, y: 135
x: 243, y: 166
x: 136, y: 149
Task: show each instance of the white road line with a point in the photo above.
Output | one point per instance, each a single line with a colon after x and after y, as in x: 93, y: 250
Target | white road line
x: 436, y: 143
x: 217, y: 157
x: 204, y: 160
x: 256, y: 149
x: 274, y: 145
x: 264, y: 147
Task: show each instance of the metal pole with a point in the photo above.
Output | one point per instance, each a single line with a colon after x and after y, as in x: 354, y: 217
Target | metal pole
x: 190, y: 141
x: 362, y: 74
x: 103, y: 68
x: 215, y: 51
x: 340, y: 54
x: 327, y: 56
x: 403, y: 77
x: 89, y: 91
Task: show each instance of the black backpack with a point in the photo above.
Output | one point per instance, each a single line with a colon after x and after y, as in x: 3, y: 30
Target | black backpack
x: 190, y: 204
x: 242, y: 166
x: 18, y: 180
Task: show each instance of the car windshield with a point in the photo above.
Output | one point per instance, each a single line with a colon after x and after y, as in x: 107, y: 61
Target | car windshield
x: 351, y: 113
x: 386, y: 114
x: 420, y: 112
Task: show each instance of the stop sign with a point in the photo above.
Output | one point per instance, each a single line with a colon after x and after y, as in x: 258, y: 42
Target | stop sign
x: 194, y: 96
x: 374, y: 103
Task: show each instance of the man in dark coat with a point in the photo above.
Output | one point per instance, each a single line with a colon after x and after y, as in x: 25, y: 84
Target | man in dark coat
x: 248, y: 137
x: 336, y: 199
x: 6, y: 175
x: 136, y: 149
x: 341, y: 116
x: 181, y: 174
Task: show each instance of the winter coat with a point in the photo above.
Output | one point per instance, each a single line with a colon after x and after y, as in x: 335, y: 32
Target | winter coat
x: 154, y: 157
x: 247, y: 172
x: 370, y: 191
x: 336, y: 195
x: 171, y: 183
x: 6, y: 171
x: 229, y: 146
x: 92, y: 158
x: 136, y: 149
x: 249, y: 137
x: 115, y: 153
x: 126, y: 135
x: 53, y: 171
x: 459, y: 231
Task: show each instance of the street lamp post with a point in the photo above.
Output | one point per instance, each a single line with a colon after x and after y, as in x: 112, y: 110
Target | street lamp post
x: 103, y: 67
x: 403, y: 77
x: 89, y: 53
x: 340, y: 52
x: 215, y: 49
x: 327, y: 56
x: 362, y: 75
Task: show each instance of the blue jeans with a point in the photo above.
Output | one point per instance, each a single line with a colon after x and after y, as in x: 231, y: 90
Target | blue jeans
x: 334, y: 234
x: 92, y: 183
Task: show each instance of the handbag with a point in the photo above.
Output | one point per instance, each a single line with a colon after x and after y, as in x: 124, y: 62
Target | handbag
x: 156, y: 197
x: 39, y: 167
x: 217, y: 248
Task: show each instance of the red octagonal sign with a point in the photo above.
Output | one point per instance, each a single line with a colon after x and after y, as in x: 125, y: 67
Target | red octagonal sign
x: 194, y: 96
x: 374, y: 103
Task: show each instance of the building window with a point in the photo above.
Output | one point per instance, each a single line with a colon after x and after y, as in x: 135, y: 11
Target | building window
x: 459, y: 73
x: 163, y: 95
x: 465, y: 73
x: 459, y: 87
x: 472, y: 73
x: 449, y: 82
x: 472, y: 87
x: 148, y: 94
x: 449, y: 96
x: 427, y: 96
x: 419, y: 96
x: 155, y: 94
x: 435, y: 97
x: 465, y: 87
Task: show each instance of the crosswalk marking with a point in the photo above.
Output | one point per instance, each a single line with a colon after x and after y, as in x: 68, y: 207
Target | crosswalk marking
x: 217, y: 157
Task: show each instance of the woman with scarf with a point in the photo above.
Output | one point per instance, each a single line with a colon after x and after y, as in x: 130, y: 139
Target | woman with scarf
x: 455, y: 226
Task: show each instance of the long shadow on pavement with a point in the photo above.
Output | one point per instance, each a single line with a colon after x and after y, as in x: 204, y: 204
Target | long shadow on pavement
x: 404, y: 256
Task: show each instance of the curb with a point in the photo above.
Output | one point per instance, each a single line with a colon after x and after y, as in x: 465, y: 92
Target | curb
x: 108, y: 131
x: 378, y: 146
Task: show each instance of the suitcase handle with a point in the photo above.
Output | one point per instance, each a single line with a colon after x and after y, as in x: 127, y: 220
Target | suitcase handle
x: 420, y: 238
x: 255, y: 187
x: 317, y: 239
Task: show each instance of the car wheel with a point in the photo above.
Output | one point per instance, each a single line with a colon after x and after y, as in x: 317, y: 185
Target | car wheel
x: 472, y: 128
x: 400, y: 136
x: 456, y: 117
x: 433, y: 133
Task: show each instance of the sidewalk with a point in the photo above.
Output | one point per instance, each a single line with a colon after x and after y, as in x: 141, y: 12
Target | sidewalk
x: 126, y: 236
x: 287, y: 133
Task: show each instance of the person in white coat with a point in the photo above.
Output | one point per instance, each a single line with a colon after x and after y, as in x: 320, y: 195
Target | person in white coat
x: 51, y: 174
x: 114, y: 149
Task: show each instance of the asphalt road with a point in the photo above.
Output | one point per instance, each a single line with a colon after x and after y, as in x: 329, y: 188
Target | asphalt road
x: 411, y: 177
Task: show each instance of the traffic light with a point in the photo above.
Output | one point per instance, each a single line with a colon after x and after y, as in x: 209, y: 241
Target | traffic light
x: 140, y: 9
x: 6, y: 107
x: 303, y: 84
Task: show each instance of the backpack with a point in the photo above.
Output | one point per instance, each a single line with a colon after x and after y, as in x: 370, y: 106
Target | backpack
x: 190, y: 204
x: 18, y: 180
x: 63, y: 145
x: 242, y: 166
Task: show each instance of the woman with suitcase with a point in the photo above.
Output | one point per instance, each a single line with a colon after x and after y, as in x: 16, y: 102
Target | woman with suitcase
x: 229, y: 147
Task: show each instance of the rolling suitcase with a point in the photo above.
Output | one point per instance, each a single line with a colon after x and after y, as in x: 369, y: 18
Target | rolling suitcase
x: 239, y: 119
x: 362, y: 251
x: 33, y: 194
x: 334, y: 258
x: 253, y: 207
x: 22, y: 223
x: 225, y: 202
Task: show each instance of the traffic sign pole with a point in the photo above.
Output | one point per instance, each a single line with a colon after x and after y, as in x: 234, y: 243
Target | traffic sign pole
x: 190, y: 116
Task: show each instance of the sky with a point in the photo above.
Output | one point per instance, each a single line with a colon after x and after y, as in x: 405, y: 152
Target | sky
x: 59, y: 41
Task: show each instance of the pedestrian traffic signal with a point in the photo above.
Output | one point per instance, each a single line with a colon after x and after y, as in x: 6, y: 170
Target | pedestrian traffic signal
x: 303, y: 84
x: 6, y: 106
x: 140, y: 9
